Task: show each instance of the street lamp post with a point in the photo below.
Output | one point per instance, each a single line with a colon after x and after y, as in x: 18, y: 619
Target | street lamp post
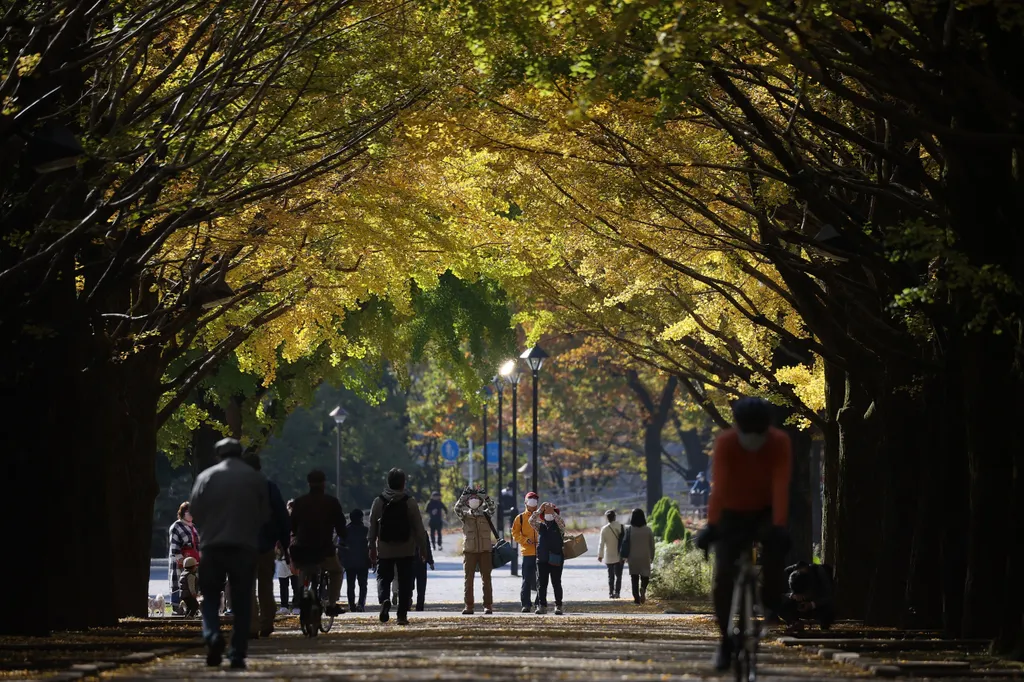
x: 499, y: 387
x: 535, y: 359
x: 511, y: 373
x: 486, y: 391
x: 338, y: 414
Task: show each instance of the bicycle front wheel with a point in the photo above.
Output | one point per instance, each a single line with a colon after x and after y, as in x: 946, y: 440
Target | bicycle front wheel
x: 326, y: 621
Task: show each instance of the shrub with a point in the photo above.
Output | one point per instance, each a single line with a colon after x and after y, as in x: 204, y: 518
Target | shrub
x: 659, y: 515
x: 674, y: 528
x: 679, y: 572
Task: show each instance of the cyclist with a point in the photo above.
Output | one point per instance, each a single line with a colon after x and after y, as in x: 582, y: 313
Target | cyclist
x: 316, y: 516
x: 749, y: 502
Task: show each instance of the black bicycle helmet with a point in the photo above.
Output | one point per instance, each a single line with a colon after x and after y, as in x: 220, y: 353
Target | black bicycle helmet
x: 752, y: 415
x: 227, y: 447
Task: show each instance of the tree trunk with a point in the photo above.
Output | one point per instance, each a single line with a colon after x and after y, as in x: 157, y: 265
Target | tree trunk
x: 990, y: 409
x: 656, y: 415
x: 857, y: 506
x: 835, y: 396
x: 800, y: 520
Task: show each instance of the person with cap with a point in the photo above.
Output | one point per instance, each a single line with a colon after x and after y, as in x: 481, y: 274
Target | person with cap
x: 188, y: 586
x: 526, y: 536
x: 608, y: 552
x: 316, y: 517
x: 230, y: 503
x: 437, y: 514
x: 474, y: 508
x: 550, y: 527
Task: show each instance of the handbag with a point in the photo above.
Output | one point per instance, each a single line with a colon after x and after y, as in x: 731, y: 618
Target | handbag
x: 502, y: 551
x: 555, y: 559
x: 574, y: 546
x: 624, y: 545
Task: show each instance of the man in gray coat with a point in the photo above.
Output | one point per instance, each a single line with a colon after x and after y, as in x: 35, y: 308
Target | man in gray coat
x: 230, y: 503
x: 396, y: 536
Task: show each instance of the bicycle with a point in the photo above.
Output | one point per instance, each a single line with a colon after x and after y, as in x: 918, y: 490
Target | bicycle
x: 314, y: 609
x: 746, y: 614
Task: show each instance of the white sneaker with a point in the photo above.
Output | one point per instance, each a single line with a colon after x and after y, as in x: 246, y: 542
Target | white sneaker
x: 295, y: 612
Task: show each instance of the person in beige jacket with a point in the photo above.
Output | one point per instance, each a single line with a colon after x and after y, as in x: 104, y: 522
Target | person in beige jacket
x: 608, y: 553
x: 474, y: 509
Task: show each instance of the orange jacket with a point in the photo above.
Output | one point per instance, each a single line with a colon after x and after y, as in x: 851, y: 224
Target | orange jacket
x: 750, y: 481
x: 523, y: 531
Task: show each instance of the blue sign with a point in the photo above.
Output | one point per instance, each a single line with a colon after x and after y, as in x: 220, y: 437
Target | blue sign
x: 449, y: 450
x: 492, y: 453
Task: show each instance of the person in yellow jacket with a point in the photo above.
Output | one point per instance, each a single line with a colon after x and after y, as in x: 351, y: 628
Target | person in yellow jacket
x: 526, y: 535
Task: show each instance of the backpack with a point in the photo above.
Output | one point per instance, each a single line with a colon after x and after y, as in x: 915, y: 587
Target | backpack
x: 624, y: 544
x: 394, y: 520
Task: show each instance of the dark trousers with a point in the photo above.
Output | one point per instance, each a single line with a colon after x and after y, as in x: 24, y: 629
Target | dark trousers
x: 283, y: 584
x: 360, y: 575
x: 191, y: 605
x: 615, y: 578
x: 238, y: 566
x: 738, y: 532
x: 554, y: 575
x: 296, y: 591
x: 529, y: 581
x: 386, y: 571
x: 435, y: 535
x: 640, y: 583
x: 420, y: 570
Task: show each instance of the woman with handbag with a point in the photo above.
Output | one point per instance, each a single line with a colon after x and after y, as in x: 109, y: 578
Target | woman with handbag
x: 639, y: 553
x: 550, y: 560
x: 183, y: 539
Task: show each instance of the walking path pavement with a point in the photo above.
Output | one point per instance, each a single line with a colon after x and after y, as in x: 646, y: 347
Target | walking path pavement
x: 597, y: 640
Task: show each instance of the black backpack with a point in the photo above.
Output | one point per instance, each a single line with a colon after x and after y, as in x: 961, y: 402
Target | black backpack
x: 394, y: 520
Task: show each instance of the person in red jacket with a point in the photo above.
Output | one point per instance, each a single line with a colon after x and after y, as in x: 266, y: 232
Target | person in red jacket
x: 751, y: 465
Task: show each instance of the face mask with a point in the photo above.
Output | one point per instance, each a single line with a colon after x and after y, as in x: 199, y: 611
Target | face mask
x: 752, y: 442
x: 532, y: 504
x: 549, y: 517
x: 474, y: 503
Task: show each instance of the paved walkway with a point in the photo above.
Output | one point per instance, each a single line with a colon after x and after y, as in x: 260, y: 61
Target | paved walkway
x: 438, y: 646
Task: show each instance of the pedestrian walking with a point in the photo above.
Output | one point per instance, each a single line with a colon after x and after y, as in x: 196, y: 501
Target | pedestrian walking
x: 640, y: 540
x: 296, y: 587
x: 550, y: 560
x: 230, y: 503
x: 396, y: 536
x: 699, y: 494
x: 437, y: 514
x: 183, y: 542
x: 474, y: 509
x: 284, y: 577
x: 526, y: 536
x: 356, y: 559
x: 274, y: 532
x: 608, y: 552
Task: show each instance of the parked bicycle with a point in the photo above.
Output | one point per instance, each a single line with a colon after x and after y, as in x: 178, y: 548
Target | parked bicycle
x: 314, y: 607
